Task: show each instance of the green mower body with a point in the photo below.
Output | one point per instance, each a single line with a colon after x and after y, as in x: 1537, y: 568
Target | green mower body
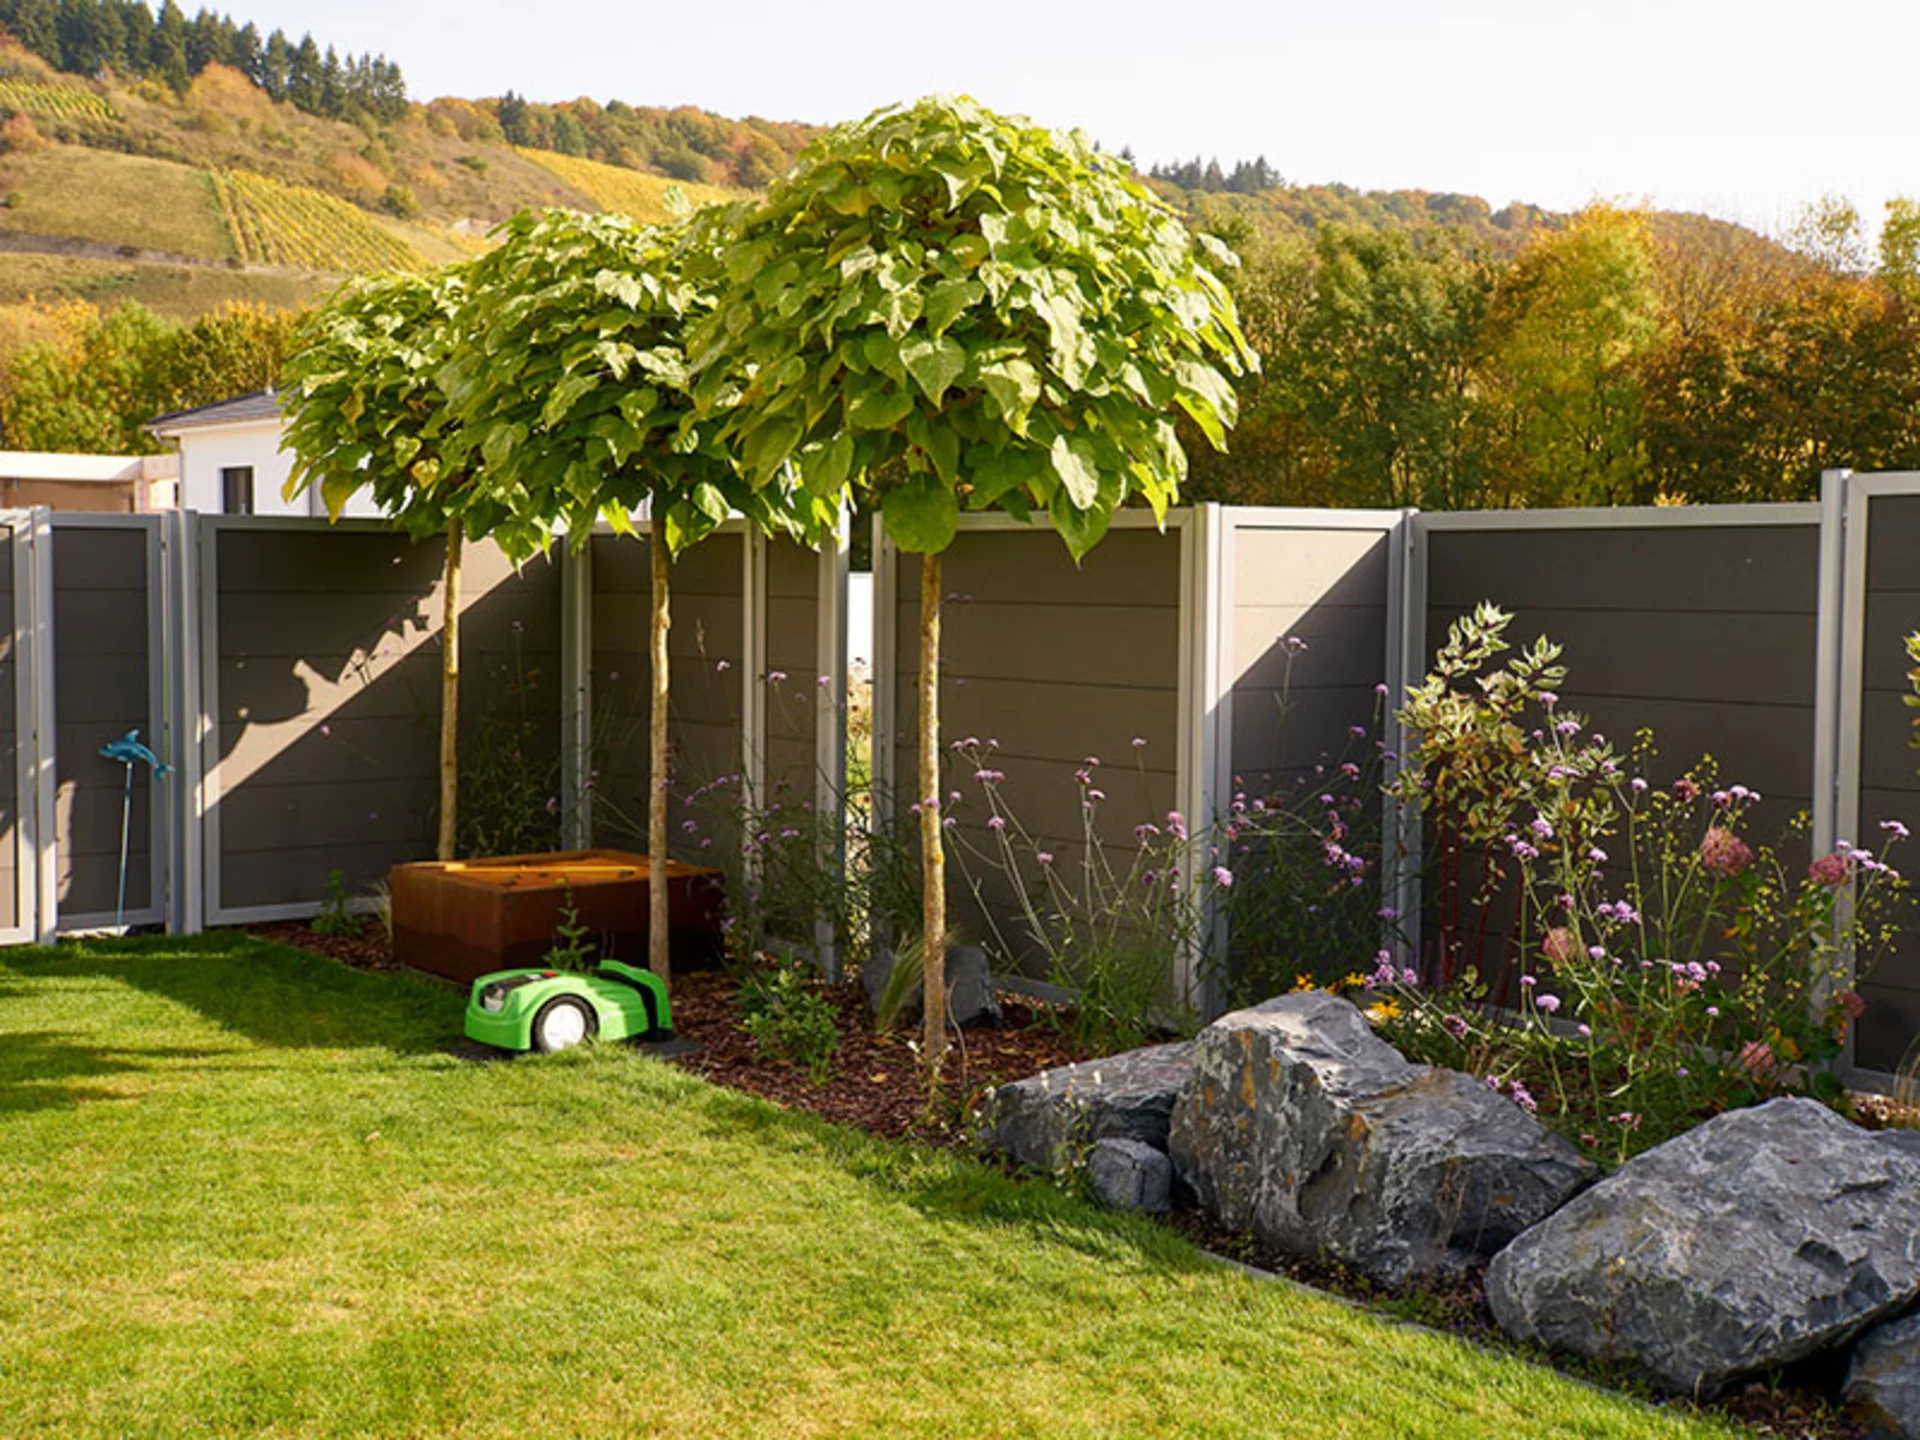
x: 548, y: 1010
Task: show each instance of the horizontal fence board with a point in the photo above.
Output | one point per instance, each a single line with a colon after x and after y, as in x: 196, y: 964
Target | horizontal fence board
x: 1346, y: 645
x: 1093, y: 645
x: 1715, y: 657
x: 1283, y: 569
x: 1759, y: 568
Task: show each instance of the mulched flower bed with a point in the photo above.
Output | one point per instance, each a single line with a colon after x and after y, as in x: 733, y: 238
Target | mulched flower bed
x: 875, y: 1083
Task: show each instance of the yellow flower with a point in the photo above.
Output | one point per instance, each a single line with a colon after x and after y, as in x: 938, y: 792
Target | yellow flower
x: 1383, y: 1010
x: 1355, y: 981
x: 1302, y: 982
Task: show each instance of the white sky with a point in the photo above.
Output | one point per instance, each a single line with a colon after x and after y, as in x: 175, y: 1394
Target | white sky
x: 1742, y: 110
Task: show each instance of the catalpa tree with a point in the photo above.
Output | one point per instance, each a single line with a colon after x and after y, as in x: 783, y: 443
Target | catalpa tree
x: 365, y: 411
x: 572, y: 388
x: 985, y: 313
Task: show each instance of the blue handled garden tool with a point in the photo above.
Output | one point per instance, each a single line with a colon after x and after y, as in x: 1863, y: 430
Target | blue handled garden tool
x: 130, y: 752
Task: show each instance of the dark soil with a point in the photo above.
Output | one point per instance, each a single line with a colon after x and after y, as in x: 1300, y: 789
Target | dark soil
x: 876, y: 1083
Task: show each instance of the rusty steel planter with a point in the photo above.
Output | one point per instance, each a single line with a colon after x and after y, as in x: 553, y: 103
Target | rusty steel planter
x: 467, y: 918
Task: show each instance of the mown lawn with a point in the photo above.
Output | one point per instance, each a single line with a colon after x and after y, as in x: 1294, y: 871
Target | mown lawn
x: 246, y: 1191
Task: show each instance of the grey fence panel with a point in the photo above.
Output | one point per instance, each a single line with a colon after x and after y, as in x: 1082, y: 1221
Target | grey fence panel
x: 707, y: 649
x: 1881, y: 782
x: 1328, y: 589
x: 792, y: 703
x: 107, y: 680
x: 321, y: 682
x: 1056, y: 663
x: 1706, y: 633
x: 16, y: 853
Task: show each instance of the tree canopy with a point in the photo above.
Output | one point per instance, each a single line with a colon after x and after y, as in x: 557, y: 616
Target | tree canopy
x: 986, y: 312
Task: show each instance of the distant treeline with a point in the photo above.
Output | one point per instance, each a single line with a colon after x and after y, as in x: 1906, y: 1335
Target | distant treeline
x: 85, y: 37
x: 1611, y: 358
x: 685, y: 143
x: 1248, y: 177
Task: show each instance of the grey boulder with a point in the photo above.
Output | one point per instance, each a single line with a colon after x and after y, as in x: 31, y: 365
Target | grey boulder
x: 1131, y: 1175
x: 1883, y: 1383
x: 971, y: 996
x: 1049, y: 1120
x: 1306, y: 1128
x: 1756, y: 1239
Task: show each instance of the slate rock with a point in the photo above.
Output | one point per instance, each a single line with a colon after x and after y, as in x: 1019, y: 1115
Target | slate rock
x: 1883, y: 1382
x: 1306, y: 1128
x: 1756, y: 1239
x: 1907, y: 1141
x: 1049, y: 1120
x: 972, y: 998
x: 1131, y: 1175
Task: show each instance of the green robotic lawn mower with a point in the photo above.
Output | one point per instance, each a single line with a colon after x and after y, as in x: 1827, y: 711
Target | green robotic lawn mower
x: 549, y: 1010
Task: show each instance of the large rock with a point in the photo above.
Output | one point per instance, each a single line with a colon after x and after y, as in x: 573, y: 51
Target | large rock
x: 1883, y: 1383
x: 972, y: 998
x: 1052, y: 1119
x: 1756, y: 1239
x: 1304, y: 1127
x: 1131, y: 1175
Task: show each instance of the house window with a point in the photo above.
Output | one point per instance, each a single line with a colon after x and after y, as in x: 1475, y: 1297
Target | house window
x: 236, y: 490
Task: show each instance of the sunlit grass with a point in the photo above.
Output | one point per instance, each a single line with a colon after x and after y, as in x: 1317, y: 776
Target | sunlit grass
x: 243, y: 1190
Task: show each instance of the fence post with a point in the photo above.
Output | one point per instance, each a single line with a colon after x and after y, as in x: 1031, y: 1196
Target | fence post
x: 185, y: 720
x: 576, y: 695
x: 830, y: 729
x: 1400, y: 835
x: 40, y: 802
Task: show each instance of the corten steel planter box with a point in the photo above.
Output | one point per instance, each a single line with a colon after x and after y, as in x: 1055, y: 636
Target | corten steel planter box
x: 466, y: 918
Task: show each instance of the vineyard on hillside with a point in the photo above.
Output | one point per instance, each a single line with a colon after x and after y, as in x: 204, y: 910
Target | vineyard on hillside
x: 62, y: 102
x: 290, y: 225
x: 648, y: 198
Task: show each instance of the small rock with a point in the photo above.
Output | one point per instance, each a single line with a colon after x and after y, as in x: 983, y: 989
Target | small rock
x: 1303, y: 1126
x: 1883, y: 1383
x: 1131, y: 1175
x: 1044, y: 1119
x: 1756, y: 1239
x: 972, y: 998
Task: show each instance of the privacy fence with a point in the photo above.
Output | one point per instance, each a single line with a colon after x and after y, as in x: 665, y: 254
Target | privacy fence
x: 290, y: 670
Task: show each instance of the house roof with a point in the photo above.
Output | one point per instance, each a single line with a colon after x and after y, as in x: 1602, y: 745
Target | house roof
x: 240, y: 410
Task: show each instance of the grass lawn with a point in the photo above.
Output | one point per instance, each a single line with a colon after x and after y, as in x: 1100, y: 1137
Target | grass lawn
x: 246, y: 1191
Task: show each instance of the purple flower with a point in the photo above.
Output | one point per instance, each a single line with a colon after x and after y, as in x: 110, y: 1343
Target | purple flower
x: 1541, y: 828
x: 720, y: 665
x: 1139, y: 742
x: 1894, y: 828
x: 998, y: 822
x: 1096, y: 794
x: 774, y: 677
x: 1045, y: 857
x: 1294, y: 644
x: 1585, y: 1032
x: 1454, y: 1026
x: 1223, y: 877
x: 1527, y: 982
x: 1550, y: 1004
x: 1548, y: 699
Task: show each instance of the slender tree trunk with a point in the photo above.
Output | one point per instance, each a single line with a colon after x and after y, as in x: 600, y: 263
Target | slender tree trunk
x: 658, y: 779
x: 450, y: 698
x: 933, y: 854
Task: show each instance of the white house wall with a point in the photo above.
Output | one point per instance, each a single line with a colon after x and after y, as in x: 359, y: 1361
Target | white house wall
x: 205, y: 453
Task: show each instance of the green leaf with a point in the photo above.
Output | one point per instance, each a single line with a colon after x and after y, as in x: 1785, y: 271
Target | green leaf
x: 1014, y: 386
x: 766, y: 447
x: 824, y: 468
x: 710, y: 502
x: 1081, y: 529
x: 1073, y: 461
x: 879, y: 408
x: 922, y: 516
x: 947, y: 300
x: 934, y: 362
